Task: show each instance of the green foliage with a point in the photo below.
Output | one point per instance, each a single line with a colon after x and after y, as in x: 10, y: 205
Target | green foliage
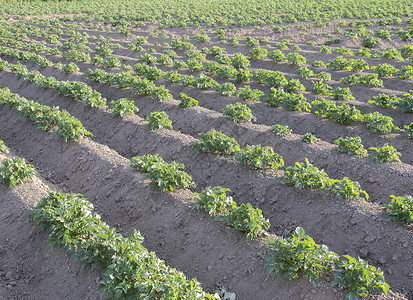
x: 379, y: 123
x: 216, y: 142
x: 406, y: 103
x: 305, y: 72
x: 164, y: 176
x: 122, y: 107
x: 15, y: 170
x: 187, y: 101
x: 277, y: 56
x: 274, y: 97
x: 226, y: 89
x: 259, y: 157
x: 247, y: 219
x: 247, y: 94
x: 309, y: 138
x: 358, y: 278
x: 400, y: 209
x: 392, y: 54
x: 294, y: 86
x: 297, y: 255
x: 238, y: 112
x: 257, y: 53
x: 346, y: 189
x: 384, y: 70
x: 324, y: 108
x: 326, y: 49
x: 342, y: 94
x: 321, y: 88
x: 345, y: 114
x: 306, y: 176
x: 350, y: 145
x: 157, y: 120
x: 409, y: 130
x: 385, y: 100
x: 239, y: 61
x: 280, y: 130
x: 296, y: 102
x: 3, y: 148
x: 325, y: 76
x: 406, y: 72
x: 296, y: 58
x: 370, y: 41
x: 385, y: 153
x: 318, y: 64
x: 71, y: 68
x: 128, y: 268
x: 214, y: 200
x: 70, y: 128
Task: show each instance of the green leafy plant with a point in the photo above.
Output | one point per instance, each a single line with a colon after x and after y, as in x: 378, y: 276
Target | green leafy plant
x: 400, y: 209
x: 238, y: 112
x: 350, y: 145
x: 384, y: 70
x: 274, y: 97
x: 240, y: 61
x: 157, y: 120
x: 297, y: 255
x: 280, y: 130
x: 305, y: 72
x: 71, y: 68
x: 385, y: 153
x: 296, y: 58
x: 70, y: 128
x: 296, y: 102
x: 226, y: 89
x: 294, y: 86
x: 3, y: 148
x: 358, y: 278
x: 247, y: 219
x: 187, y: 101
x: 277, y: 56
x: 342, y: 94
x: 214, y: 200
x: 321, y: 88
x: 306, y: 176
x: 385, y: 100
x: 216, y: 142
x: 15, y: 170
x: 259, y: 157
x: 309, y: 138
x: 346, y: 189
x: 345, y: 114
x: 164, y: 176
x: 379, y: 123
x: 406, y: 72
x: 247, y: 94
x: 122, y: 107
x: 406, y: 103
x: 409, y: 130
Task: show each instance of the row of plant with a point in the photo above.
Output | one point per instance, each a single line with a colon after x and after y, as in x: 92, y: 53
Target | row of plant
x: 293, y: 256
x: 68, y: 127
x: 129, y: 269
x: 14, y: 170
x: 73, y: 89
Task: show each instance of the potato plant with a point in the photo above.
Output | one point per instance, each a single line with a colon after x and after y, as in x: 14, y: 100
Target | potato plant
x: 238, y: 112
x: 351, y: 146
x: 297, y: 255
x: 122, y: 107
x: 216, y: 142
x: 15, y: 170
x: 213, y: 200
x: 280, y: 130
x: 385, y: 153
x: 157, y: 120
x: 400, y: 209
x: 259, y: 157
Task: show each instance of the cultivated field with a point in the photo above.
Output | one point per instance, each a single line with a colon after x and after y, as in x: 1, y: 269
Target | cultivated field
x: 217, y: 131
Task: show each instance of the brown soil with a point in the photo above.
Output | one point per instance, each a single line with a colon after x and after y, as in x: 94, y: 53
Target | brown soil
x: 189, y: 240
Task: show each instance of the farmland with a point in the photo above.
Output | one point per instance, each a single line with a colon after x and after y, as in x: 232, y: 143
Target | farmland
x: 178, y: 150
